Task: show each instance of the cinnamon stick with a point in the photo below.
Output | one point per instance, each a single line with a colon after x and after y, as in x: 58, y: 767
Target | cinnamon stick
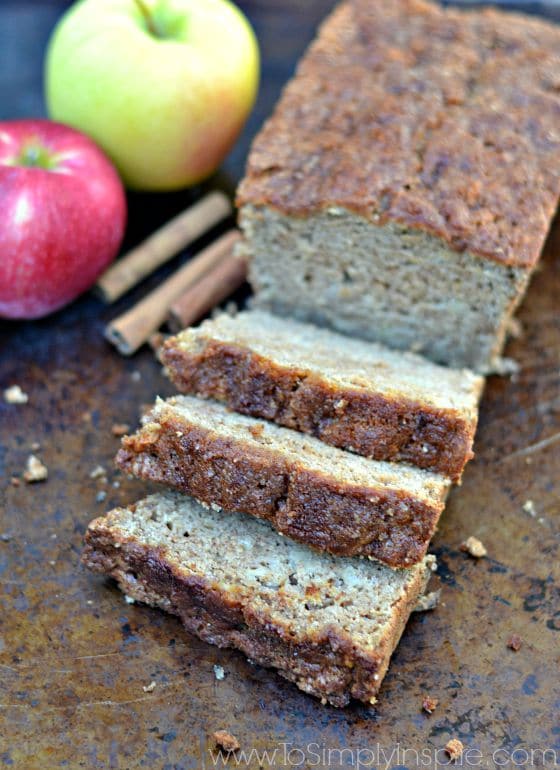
x: 216, y: 286
x: 169, y: 240
x: 130, y: 330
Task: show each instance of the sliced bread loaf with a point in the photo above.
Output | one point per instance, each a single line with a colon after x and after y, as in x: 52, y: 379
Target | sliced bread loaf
x: 333, y: 500
x: 356, y: 395
x: 404, y: 186
x: 328, y: 624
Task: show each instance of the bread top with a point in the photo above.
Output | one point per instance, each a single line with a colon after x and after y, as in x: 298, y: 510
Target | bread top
x: 299, y: 450
x: 436, y: 119
x: 345, y: 362
x: 306, y: 593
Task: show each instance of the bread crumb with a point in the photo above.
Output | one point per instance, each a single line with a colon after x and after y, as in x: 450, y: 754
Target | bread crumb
x: 35, y: 446
x: 35, y: 470
x: 15, y: 395
x: 454, y: 748
x: 429, y: 704
x: 474, y: 547
x: 149, y: 687
x: 219, y: 673
x: 431, y: 562
x: 148, y: 436
x: 428, y: 601
x: 226, y: 741
x: 98, y: 472
x: 256, y: 430
x: 15, y: 481
x: 529, y: 507
x: 515, y: 642
x: 120, y: 429
x: 129, y: 600
x: 100, y: 496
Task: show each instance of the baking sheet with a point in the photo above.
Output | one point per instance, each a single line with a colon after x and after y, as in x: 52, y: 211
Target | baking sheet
x: 75, y: 657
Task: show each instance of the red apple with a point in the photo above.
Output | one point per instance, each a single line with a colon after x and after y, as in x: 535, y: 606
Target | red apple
x: 62, y: 216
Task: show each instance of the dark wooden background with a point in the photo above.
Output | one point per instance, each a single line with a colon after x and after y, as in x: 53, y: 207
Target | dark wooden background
x: 74, y: 657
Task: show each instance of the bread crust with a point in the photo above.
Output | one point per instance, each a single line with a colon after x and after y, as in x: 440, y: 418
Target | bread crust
x: 328, y: 665
x: 343, y: 519
x: 377, y: 425
x: 439, y: 120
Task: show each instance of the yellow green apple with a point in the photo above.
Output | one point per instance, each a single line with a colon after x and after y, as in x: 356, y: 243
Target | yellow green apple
x: 163, y: 86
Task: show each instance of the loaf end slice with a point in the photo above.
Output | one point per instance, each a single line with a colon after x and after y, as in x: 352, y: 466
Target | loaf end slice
x: 330, y: 499
x: 327, y: 624
x: 359, y: 396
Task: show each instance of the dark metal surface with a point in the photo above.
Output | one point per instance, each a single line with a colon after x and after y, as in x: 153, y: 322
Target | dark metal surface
x: 74, y: 656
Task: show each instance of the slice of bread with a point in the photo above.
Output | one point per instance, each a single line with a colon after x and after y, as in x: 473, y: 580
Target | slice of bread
x: 333, y: 500
x: 328, y: 624
x: 356, y: 395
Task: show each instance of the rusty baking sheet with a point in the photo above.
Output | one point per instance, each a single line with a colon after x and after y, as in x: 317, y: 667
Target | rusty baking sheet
x: 76, y: 659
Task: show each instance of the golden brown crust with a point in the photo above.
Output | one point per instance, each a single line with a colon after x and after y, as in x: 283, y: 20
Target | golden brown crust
x: 329, y: 666
x: 435, y: 119
x: 374, y: 425
x: 389, y: 525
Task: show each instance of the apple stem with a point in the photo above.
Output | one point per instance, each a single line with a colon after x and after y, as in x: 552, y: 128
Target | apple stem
x: 148, y: 18
x: 34, y: 155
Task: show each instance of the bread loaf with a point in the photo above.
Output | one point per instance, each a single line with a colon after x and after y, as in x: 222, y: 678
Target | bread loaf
x: 404, y: 186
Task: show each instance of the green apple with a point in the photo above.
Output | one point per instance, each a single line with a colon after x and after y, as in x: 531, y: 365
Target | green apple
x: 163, y: 86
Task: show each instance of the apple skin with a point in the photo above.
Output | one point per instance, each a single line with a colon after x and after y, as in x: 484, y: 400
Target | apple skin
x: 165, y: 109
x: 60, y: 225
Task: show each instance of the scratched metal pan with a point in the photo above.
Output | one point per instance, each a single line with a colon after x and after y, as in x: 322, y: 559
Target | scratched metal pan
x: 75, y: 658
